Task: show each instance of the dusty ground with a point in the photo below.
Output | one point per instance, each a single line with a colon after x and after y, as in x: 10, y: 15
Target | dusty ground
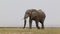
x: 48, y: 30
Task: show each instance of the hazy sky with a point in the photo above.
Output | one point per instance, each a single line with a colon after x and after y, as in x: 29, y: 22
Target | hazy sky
x: 12, y: 12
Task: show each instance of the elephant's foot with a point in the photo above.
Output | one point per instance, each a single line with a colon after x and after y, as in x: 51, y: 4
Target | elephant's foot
x: 23, y: 27
x: 42, y: 27
x: 30, y: 28
x: 38, y: 27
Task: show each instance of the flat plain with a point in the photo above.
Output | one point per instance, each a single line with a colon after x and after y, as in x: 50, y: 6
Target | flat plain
x: 18, y: 30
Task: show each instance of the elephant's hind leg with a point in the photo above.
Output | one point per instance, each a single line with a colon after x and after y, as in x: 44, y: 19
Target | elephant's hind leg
x: 37, y: 25
x: 42, y: 24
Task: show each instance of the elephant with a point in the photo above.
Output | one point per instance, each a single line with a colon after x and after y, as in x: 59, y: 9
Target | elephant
x: 36, y: 15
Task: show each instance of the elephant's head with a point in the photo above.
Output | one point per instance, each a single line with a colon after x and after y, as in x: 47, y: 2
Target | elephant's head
x: 27, y: 14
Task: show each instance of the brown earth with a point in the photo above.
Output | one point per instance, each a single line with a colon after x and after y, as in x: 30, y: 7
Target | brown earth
x: 47, y: 30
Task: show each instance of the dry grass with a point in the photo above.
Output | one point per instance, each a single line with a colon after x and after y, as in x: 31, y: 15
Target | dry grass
x: 55, y: 30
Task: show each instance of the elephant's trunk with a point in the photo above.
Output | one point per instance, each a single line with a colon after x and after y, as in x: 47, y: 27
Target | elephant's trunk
x: 24, y: 22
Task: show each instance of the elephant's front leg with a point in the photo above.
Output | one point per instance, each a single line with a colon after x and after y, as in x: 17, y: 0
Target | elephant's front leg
x: 30, y: 23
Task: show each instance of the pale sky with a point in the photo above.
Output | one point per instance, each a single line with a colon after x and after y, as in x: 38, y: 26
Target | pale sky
x: 12, y: 12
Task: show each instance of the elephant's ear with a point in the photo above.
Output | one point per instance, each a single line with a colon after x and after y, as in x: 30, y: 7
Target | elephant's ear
x: 30, y: 13
x: 33, y: 12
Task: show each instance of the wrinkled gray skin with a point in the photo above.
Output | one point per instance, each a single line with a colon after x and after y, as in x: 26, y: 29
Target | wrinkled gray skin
x: 36, y: 15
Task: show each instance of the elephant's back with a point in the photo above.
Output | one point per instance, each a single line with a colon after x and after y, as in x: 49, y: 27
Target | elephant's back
x: 41, y: 13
